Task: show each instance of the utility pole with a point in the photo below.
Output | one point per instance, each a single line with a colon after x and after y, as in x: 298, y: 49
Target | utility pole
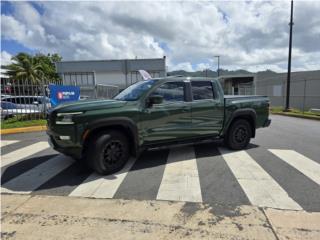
x: 289, y: 61
x: 218, y: 64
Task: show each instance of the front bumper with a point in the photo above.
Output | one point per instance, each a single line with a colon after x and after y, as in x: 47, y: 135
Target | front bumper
x: 63, y: 147
x: 267, y: 123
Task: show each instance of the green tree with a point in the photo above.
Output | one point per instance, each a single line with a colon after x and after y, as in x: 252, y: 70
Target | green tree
x: 33, y: 69
x: 23, y: 68
x: 48, y: 65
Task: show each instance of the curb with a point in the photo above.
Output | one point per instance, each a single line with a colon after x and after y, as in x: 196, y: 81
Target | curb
x: 23, y: 130
x: 297, y: 116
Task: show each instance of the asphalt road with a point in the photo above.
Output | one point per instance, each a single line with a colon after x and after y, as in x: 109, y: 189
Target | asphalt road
x: 262, y: 175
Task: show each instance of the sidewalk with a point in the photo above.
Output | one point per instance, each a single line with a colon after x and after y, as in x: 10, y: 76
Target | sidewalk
x: 54, y: 217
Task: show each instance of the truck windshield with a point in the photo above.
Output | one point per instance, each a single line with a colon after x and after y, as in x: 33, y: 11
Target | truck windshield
x: 134, y: 92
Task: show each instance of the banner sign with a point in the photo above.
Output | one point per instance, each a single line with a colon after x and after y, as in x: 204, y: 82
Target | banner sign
x: 60, y: 94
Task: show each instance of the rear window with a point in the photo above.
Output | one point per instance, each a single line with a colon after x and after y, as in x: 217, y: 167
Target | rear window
x: 202, y: 90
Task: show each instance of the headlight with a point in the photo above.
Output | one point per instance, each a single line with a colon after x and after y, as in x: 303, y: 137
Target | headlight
x: 66, y: 118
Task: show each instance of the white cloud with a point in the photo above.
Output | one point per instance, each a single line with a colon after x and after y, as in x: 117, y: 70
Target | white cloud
x: 5, y: 58
x: 203, y: 66
x: 182, y: 66
x: 248, y: 35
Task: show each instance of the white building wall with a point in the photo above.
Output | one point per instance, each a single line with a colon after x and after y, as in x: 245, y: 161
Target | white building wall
x: 111, y: 78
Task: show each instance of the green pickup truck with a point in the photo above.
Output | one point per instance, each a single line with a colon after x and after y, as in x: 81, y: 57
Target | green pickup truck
x: 154, y: 113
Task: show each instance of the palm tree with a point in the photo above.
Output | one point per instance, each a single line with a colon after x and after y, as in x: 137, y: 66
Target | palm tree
x: 25, y: 68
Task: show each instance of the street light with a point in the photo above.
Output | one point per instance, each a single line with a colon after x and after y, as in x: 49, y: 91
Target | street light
x: 218, y: 64
x: 289, y: 61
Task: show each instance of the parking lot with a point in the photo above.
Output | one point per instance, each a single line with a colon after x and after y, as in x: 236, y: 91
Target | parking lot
x: 280, y: 169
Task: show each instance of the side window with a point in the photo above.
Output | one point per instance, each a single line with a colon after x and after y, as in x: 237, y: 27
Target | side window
x: 202, y: 90
x: 170, y: 91
x: 13, y: 100
x: 20, y: 100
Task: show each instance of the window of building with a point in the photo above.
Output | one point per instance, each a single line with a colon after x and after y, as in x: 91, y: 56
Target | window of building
x: 171, y: 91
x: 202, y: 90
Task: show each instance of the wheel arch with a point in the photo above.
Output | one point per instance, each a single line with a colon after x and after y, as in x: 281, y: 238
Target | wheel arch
x: 121, y: 124
x: 246, y: 114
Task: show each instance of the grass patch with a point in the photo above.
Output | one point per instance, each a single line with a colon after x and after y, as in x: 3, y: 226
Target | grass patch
x: 295, y: 113
x: 19, y: 123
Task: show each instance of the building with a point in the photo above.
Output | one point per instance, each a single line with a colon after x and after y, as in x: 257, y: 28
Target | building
x: 120, y: 73
x: 238, y: 84
x: 105, y: 78
x: 304, y: 87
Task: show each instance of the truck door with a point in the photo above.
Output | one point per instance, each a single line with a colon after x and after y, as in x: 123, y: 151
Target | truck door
x: 207, y: 109
x: 170, y: 119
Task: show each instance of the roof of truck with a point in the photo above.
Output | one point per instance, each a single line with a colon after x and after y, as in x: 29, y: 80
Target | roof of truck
x: 183, y: 78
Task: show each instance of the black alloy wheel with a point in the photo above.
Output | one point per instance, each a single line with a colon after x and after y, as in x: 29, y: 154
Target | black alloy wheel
x: 239, y: 134
x: 107, y: 152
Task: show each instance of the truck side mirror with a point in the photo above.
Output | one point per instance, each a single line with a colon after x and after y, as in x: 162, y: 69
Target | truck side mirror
x: 156, y: 99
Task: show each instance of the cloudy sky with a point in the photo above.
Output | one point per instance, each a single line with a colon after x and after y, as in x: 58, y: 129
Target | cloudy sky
x: 250, y: 35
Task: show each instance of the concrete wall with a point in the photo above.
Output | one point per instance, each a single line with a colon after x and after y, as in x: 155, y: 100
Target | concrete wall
x: 304, y: 88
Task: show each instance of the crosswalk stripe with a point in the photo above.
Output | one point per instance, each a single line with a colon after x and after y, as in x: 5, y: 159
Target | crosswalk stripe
x: 7, y: 142
x: 305, y: 165
x: 34, y: 178
x: 21, y: 153
x: 258, y: 185
x: 98, y: 186
x: 180, y: 181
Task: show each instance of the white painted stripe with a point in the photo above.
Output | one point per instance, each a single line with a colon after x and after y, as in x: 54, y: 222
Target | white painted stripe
x: 7, y: 142
x: 21, y: 153
x: 34, y: 178
x: 98, y: 186
x: 180, y: 181
x: 260, y: 188
x: 303, y: 164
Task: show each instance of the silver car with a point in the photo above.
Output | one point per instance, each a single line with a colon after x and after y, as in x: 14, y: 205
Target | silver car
x: 37, y: 103
x: 9, y: 110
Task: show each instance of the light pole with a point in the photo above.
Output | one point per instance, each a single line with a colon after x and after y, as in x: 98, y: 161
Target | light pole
x: 218, y: 64
x: 289, y: 61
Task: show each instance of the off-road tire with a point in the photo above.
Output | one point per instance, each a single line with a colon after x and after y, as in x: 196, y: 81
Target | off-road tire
x: 107, y: 152
x: 239, y: 135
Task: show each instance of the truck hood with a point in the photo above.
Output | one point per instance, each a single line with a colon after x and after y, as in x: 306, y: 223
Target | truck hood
x: 85, y: 105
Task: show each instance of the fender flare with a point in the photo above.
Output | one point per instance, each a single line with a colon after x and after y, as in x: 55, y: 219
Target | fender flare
x: 243, y: 112
x: 123, y: 122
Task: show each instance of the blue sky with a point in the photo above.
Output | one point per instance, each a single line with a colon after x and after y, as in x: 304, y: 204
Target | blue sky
x: 251, y: 35
x: 11, y: 46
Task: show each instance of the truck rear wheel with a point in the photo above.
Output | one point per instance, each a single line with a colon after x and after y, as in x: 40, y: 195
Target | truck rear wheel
x: 108, y: 152
x: 239, y: 135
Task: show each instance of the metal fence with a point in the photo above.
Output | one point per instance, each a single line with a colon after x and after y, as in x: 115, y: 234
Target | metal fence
x: 30, y: 101
x: 304, y: 93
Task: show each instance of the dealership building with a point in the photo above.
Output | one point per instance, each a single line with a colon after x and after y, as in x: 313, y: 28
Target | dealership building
x: 105, y: 78
x: 121, y: 73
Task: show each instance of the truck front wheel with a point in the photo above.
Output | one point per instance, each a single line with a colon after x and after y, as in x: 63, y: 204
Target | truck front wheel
x: 108, y: 152
x: 239, y: 134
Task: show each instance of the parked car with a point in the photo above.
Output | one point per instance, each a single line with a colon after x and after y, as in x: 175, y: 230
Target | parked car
x: 153, y: 113
x: 37, y: 103
x: 5, y: 96
x: 9, y: 109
